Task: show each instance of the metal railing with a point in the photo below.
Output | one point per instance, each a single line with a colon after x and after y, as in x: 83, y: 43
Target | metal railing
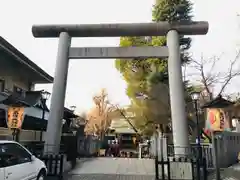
x: 192, y: 151
x: 180, y: 168
x: 54, y: 164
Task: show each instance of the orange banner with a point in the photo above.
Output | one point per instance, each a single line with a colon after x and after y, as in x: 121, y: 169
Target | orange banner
x: 15, y: 117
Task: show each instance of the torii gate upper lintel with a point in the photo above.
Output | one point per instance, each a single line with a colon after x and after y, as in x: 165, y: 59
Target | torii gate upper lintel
x: 172, y: 51
x: 123, y: 29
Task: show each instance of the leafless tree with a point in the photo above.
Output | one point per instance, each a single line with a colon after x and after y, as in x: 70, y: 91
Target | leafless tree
x: 210, y: 78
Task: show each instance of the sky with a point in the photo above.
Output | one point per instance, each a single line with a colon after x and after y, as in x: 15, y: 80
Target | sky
x: 87, y: 77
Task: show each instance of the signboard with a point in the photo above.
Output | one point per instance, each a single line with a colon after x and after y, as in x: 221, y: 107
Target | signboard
x: 118, y: 52
x: 217, y: 120
x: 15, y: 117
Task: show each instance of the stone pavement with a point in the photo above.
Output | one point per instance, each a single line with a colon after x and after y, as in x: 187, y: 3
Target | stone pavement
x: 112, y: 169
x: 231, y: 173
x: 129, y: 169
x: 110, y: 177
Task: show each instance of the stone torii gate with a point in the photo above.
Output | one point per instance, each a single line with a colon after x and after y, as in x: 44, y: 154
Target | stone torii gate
x: 66, y: 52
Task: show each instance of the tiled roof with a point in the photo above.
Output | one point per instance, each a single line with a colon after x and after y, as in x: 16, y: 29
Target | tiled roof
x: 14, y: 99
x: 31, y: 98
x: 69, y: 113
x: 218, y: 102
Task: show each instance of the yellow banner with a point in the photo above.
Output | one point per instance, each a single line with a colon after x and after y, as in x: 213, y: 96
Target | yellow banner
x: 15, y: 117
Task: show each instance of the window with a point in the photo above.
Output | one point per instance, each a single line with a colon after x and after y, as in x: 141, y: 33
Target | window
x: 2, y: 85
x: 12, y: 154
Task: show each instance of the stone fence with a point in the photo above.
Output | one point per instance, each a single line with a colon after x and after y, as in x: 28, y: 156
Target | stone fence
x: 228, y: 147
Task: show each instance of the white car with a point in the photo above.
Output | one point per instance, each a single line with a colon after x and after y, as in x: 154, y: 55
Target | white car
x: 17, y: 163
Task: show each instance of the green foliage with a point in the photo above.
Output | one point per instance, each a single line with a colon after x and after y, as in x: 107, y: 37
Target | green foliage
x: 172, y: 10
x: 175, y: 11
x: 142, y: 75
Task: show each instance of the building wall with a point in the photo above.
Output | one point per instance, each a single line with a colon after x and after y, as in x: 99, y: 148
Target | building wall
x: 25, y: 135
x: 14, y: 76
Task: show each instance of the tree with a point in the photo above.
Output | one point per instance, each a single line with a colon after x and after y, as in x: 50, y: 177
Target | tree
x: 142, y: 75
x: 99, y: 117
x: 208, y: 76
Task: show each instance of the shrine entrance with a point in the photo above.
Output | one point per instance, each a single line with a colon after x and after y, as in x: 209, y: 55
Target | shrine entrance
x: 172, y: 51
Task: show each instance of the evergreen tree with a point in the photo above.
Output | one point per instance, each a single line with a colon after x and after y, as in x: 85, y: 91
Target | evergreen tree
x: 143, y: 75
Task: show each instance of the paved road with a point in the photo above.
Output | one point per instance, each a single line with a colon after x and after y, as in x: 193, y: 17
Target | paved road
x: 113, y: 169
x: 128, y: 169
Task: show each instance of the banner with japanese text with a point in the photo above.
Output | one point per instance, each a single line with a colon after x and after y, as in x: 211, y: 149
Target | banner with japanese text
x: 15, y: 117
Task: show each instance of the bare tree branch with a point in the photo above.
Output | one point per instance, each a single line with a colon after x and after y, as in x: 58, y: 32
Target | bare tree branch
x: 230, y: 74
x: 210, y: 78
